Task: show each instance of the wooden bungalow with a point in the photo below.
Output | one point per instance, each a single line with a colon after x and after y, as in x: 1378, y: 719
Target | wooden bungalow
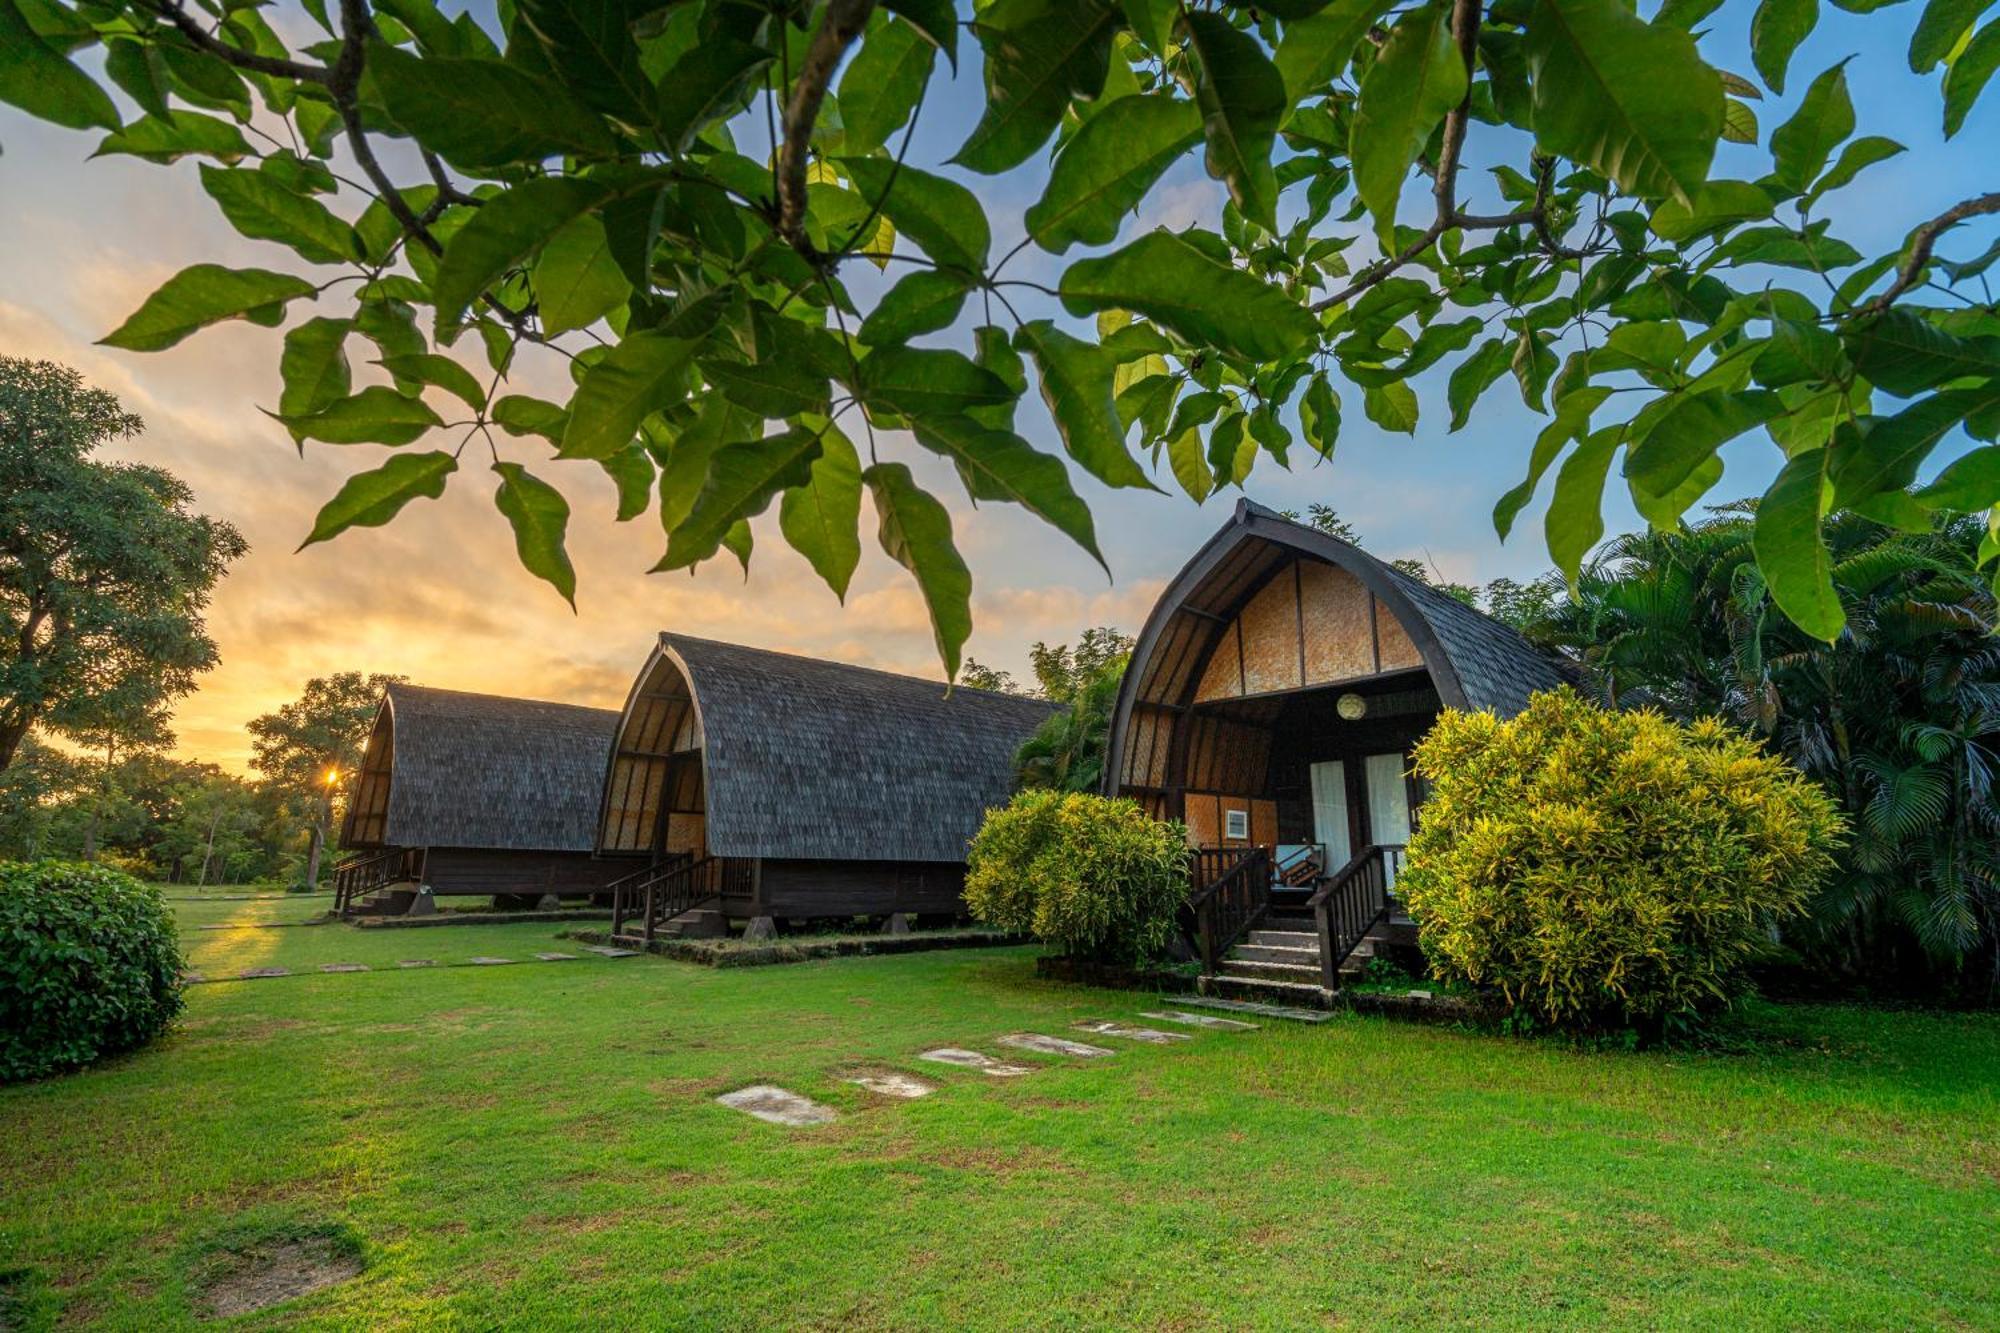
x: 764, y: 787
x: 1272, y: 703
x: 474, y: 794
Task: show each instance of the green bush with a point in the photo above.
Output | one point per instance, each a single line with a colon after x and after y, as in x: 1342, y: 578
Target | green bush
x: 1608, y: 871
x: 1093, y: 876
x: 90, y: 965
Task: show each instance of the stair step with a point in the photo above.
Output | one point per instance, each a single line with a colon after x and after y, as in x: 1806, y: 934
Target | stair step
x: 1258, y: 1007
x: 1273, y: 953
x: 1283, y: 993
x: 1284, y: 939
x: 1307, y: 973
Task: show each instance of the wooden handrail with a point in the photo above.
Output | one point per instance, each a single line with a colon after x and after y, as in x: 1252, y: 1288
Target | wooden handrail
x: 359, y: 875
x: 1349, y: 903
x: 1229, y: 904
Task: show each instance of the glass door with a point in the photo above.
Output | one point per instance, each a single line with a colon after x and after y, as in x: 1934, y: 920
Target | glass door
x: 1329, y: 804
x: 1388, y: 806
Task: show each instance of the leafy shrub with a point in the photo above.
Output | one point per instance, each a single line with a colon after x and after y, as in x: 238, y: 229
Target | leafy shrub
x: 1607, y: 870
x: 89, y: 966
x: 1094, y: 876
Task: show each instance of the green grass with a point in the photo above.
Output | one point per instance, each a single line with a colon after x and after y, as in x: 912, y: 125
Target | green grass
x: 536, y: 1146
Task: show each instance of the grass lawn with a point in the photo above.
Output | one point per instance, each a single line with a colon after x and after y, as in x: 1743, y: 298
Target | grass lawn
x: 536, y: 1146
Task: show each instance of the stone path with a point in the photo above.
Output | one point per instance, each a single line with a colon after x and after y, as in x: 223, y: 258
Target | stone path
x: 892, y: 1083
x: 985, y: 1064
x: 259, y: 973
x: 1046, y: 1045
x: 490, y: 962
x: 343, y: 967
x: 1209, y: 1021
x: 1262, y: 1010
x: 777, y: 1105
x: 192, y: 978
x: 1151, y: 1036
x: 557, y: 957
x: 606, y: 951
x: 418, y: 962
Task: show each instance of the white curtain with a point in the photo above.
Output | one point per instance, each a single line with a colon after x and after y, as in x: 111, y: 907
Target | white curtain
x: 1388, y: 802
x: 1329, y: 797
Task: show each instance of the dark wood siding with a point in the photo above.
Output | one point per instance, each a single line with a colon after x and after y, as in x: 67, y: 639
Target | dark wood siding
x: 861, y: 888
x: 460, y: 871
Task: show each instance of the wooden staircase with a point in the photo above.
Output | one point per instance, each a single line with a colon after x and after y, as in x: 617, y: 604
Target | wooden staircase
x: 1281, y: 962
x: 378, y: 883
x: 1258, y: 941
x: 676, y: 898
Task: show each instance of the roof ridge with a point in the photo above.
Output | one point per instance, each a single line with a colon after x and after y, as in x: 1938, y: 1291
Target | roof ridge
x: 952, y: 687
x: 404, y: 686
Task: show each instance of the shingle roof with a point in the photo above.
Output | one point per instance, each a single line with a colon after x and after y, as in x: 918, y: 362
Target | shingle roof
x: 814, y: 759
x: 481, y: 770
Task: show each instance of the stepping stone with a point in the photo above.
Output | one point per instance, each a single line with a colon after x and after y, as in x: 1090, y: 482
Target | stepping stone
x: 1152, y: 1036
x: 557, y: 957
x: 258, y: 973
x: 192, y: 978
x: 1209, y: 1021
x: 985, y: 1064
x: 1261, y: 1010
x: 777, y: 1105
x: 490, y: 962
x: 418, y: 962
x: 1044, y: 1045
x: 893, y: 1083
x: 343, y: 967
x: 603, y: 951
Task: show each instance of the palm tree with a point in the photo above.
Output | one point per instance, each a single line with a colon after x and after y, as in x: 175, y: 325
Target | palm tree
x: 1066, y: 752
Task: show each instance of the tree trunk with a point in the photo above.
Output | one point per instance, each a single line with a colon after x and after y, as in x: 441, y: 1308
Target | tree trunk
x: 318, y: 841
x: 208, y: 852
x: 12, y: 733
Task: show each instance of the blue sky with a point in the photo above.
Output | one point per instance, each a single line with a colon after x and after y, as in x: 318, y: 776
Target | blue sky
x: 437, y: 595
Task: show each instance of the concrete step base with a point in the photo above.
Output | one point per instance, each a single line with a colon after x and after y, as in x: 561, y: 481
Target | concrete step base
x: 1297, y: 994
x: 1304, y: 973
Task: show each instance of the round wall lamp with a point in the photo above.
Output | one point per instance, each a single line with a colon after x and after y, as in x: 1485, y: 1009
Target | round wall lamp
x: 1351, y: 707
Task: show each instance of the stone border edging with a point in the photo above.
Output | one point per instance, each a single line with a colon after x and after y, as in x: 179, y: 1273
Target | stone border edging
x: 805, y: 949
x: 478, y: 918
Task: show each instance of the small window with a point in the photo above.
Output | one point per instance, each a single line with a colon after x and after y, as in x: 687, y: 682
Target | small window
x: 1236, y: 824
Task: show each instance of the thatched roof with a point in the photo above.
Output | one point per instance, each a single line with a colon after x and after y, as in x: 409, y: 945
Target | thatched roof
x: 813, y: 759
x: 480, y: 770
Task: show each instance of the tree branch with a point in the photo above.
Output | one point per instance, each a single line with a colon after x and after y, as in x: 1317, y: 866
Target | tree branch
x: 191, y: 29
x: 838, y: 29
x: 1924, y: 240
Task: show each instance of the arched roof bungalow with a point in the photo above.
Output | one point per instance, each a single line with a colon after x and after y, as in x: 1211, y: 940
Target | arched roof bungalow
x: 1272, y: 703
x: 478, y: 794
x: 760, y: 785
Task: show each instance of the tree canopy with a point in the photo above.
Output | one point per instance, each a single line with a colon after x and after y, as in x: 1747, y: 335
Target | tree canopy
x: 674, y: 196
x: 105, y: 570
x: 311, y: 746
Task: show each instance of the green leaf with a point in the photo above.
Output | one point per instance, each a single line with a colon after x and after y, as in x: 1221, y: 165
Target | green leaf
x: 376, y: 415
x: 821, y: 519
x: 370, y: 499
x: 1392, y: 406
x: 1231, y: 454
x: 258, y: 207
x: 1887, y: 455
x: 641, y: 375
x: 941, y: 216
x: 1970, y: 484
x: 937, y: 20
x: 1775, y: 32
x: 1970, y: 71
x: 1906, y: 354
x: 35, y: 77
x: 915, y: 532
x: 314, y: 367
x: 1314, y: 50
x: 994, y: 349
x: 775, y: 385
x: 179, y: 134
x: 742, y: 479
x: 1002, y: 465
x: 1418, y: 77
x: 684, y: 471
x: 707, y: 83
x: 1791, y: 547
x: 1189, y: 462
x: 482, y: 114
x: 1319, y: 416
x: 1632, y: 100
x: 1688, y: 433
x: 577, y: 281
x: 1572, y: 422
x: 631, y: 471
x: 1717, y: 205
x: 502, y: 235
x: 1105, y: 170
x: 1803, y: 144
x: 206, y: 294
x: 1943, y: 24
x: 1152, y: 22
x: 1474, y: 376
x: 518, y: 414
x: 442, y: 371
x: 923, y: 381
x: 883, y: 83
x: 1242, y: 100
x: 1038, y: 53
x: 1575, y: 519
x: 1076, y: 379
x: 591, y: 48
x: 921, y: 302
x: 540, y: 519
x: 1163, y: 277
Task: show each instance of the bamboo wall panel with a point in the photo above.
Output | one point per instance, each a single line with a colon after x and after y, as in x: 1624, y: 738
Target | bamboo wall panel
x: 1269, y: 630
x: 1204, y: 820
x: 1224, y: 677
x: 1339, y: 642
x: 1148, y: 734
x: 1397, y: 649
x: 685, y: 833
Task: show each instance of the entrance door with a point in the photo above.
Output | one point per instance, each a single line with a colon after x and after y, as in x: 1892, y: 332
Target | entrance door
x: 1388, y: 805
x: 1329, y: 798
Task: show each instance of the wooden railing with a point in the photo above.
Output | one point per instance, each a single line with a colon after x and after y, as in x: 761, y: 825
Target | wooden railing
x: 1232, y: 889
x: 659, y: 893
x: 358, y: 876
x: 1349, y: 903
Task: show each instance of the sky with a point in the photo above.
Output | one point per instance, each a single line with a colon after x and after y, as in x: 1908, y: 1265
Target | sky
x: 439, y: 597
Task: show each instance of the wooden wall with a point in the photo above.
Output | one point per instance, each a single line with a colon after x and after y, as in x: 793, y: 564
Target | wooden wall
x: 368, y: 810
x: 805, y: 889
x: 1207, y: 821
x: 1311, y: 624
x: 655, y: 768
x: 462, y: 870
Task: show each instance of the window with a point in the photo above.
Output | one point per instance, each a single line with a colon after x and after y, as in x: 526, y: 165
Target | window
x: 1236, y: 824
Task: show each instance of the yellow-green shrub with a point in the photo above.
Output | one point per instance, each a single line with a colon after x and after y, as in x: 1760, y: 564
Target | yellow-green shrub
x: 1094, y: 876
x: 1607, y: 870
